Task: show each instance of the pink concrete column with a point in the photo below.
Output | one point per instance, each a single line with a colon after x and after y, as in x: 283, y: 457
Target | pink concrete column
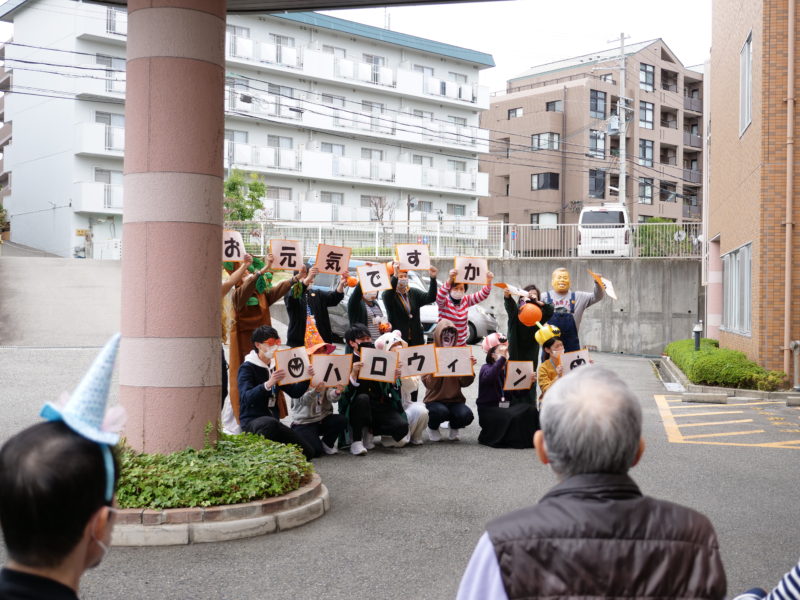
x: 174, y: 127
x: 713, y: 291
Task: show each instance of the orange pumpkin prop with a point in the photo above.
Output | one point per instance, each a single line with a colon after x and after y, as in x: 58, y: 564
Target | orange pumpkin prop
x: 352, y: 281
x: 530, y: 314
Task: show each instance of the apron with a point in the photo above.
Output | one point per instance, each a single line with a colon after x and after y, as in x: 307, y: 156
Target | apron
x: 565, y: 320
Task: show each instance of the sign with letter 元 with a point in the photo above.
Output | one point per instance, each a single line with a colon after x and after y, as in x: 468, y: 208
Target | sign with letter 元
x: 413, y: 257
x: 331, y: 369
x: 518, y: 375
x: 471, y: 270
x: 232, y: 246
x: 417, y: 360
x: 454, y: 362
x: 573, y: 360
x: 295, y: 362
x: 374, y: 278
x: 378, y: 365
x: 332, y: 259
x: 287, y: 255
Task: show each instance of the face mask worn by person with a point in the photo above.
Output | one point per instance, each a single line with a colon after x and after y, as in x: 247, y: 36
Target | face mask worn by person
x: 457, y: 295
x: 371, y: 296
x: 402, y: 286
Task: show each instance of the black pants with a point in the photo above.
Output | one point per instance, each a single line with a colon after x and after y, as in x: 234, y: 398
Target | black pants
x: 274, y: 430
x: 458, y: 413
x: 380, y: 417
x: 223, y: 388
x: 328, y: 429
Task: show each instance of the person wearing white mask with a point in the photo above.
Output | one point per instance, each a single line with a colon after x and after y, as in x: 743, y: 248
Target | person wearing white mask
x: 364, y: 308
x: 454, y: 302
x: 403, y: 304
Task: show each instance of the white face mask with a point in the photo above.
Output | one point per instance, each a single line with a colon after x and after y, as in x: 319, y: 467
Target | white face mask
x: 267, y: 352
x: 457, y: 295
x: 371, y: 296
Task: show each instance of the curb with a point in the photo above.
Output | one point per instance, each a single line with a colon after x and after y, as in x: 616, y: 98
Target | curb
x: 178, y: 526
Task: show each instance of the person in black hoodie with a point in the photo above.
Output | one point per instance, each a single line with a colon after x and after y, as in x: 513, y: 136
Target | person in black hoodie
x: 302, y: 302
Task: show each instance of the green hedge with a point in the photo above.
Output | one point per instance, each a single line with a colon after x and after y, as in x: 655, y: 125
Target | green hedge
x: 712, y: 365
x: 237, y: 469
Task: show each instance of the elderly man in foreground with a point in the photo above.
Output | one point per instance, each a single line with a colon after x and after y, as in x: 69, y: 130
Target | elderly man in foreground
x: 594, y: 534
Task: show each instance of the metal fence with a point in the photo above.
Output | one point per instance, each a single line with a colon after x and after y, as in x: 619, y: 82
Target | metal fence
x: 482, y: 238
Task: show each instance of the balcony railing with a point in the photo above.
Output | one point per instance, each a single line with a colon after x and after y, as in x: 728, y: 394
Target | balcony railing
x: 693, y: 104
x: 690, y: 139
x: 112, y: 196
x: 116, y: 21
x: 238, y: 154
x: 692, y: 175
x: 669, y: 86
x: 115, y: 138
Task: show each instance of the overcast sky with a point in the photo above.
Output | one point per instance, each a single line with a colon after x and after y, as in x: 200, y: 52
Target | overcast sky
x: 523, y: 33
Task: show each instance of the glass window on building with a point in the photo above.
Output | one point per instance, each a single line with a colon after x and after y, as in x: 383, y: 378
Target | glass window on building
x: 554, y: 106
x: 647, y: 77
x: 335, y: 149
x: 736, y: 290
x: 544, y: 181
x: 419, y: 159
x: 646, y: 115
x: 456, y: 210
x: 371, y: 154
x: 544, y: 220
x: 645, y: 190
x: 514, y: 113
x: 597, y: 104
x: 279, y: 193
x: 597, y: 143
x: 545, y: 141
x: 337, y: 51
x: 646, y: 153
x: 597, y: 183
x: 332, y: 198
x: 746, y: 84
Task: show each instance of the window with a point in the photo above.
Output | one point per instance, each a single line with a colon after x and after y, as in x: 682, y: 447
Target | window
x: 279, y: 141
x: 457, y: 165
x: 457, y: 120
x: 419, y: 159
x: 607, y: 77
x: 236, y: 88
x: 115, y: 81
x: 554, y: 106
x: 457, y: 77
x: 281, y: 40
x: 646, y: 115
x: 335, y: 149
x: 504, y: 146
x: 377, y: 207
x: 647, y: 77
x: 371, y: 154
x: 114, y: 129
x: 233, y: 137
x: 544, y: 220
x: 597, y: 104
x: 597, y: 143
x: 544, y: 181
x: 278, y: 193
x: 110, y: 119
x: 374, y: 108
x: 457, y: 210
x: 108, y: 176
x: 112, y: 192
x: 425, y: 114
x: 426, y: 71
x: 746, y: 86
x: 425, y: 206
x: 331, y: 100
x: 332, y: 198
x: 283, y: 91
x: 237, y: 31
x: 514, y: 113
x: 545, y: 141
x: 736, y: 291
x: 377, y: 62
x: 645, y: 190
x: 335, y: 50
x: 646, y: 153
x: 668, y: 192
x: 597, y: 183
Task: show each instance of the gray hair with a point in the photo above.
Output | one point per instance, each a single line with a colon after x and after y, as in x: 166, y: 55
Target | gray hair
x: 591, y: 422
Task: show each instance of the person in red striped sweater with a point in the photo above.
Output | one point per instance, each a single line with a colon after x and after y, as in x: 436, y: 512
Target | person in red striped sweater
x: 454, y: 302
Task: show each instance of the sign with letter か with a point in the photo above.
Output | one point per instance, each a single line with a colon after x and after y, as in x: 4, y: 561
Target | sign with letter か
x: 417, y: 360
x: 332, y: 259
x: 287, y: 255
x: 454, y: 362
x: 378, y: 365
x: 518, y: 375
x: 573, y: 360
x: 471, y: 270
x: 374, y: 278
x: 232, y: 246
x: 413, y: 257
x: 295, y: 362
x: 331, y: 369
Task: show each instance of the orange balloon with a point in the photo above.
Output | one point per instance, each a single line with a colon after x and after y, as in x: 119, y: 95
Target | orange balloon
x: 352, y: 281
x: 530, y: 314
x: 390, y: 268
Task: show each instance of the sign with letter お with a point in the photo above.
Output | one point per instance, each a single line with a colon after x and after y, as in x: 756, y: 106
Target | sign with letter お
x: 471, y: 270
x: 454, y: 362
x: 232, y: 246
x: 332, y: 259
x: 573, y: 360
x: 287, y: 255
x: 374, y: 278
x: 413, y: 257
x: 295, y: 362
x: 378, y: 365
x: 518, y: 375
x: 417, y: 360
x: 331, y: 369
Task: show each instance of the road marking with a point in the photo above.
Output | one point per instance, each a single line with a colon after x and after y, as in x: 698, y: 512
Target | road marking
x: 716, y: 412
x: 717, y: 423
x: 723, y: 434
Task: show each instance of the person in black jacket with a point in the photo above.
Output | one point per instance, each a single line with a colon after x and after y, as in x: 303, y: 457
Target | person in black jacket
x: 365, y: 309
x: 301, y: 301
x: 403, y: 303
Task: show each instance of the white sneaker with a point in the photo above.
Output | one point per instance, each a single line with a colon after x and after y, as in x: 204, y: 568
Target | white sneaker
x: 369, y: 439
x: 357, y: 449
x: 434, y: 435
x: 418, y: 442
x: 445, y: 425
x: 454, y: 435
x: 328, y: 450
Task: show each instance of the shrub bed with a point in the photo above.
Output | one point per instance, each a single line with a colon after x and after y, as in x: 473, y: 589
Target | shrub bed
x: 712, y: 365
x: 236, y: 469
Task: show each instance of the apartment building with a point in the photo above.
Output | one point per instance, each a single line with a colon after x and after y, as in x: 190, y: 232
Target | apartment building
x: 555, y: 138
x: 343, y: 121
x: 749, y: 296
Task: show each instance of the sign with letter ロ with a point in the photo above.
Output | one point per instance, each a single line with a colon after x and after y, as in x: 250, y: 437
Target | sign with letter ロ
x: 573, y: 360
x: 518, y: 375
x: 378, y: 365
x: 232, y: 246
x: 287, y: 255
x: 413, y: 257
x: 374, y: 278
x: 331, y: 369
x: 454, y: 362
x: 417, y: 360
x: 471, y: 270
x: 295, y: 362
x: 332, y: 259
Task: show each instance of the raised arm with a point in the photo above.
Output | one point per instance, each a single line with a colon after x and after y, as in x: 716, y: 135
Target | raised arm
x: 237, y: 275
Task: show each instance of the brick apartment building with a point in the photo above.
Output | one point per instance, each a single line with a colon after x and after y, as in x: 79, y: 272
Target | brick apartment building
x: 747, y: 200
x: 555, y: 143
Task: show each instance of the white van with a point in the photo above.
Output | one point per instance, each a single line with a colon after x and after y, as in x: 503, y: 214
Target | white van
x: 604, y: 231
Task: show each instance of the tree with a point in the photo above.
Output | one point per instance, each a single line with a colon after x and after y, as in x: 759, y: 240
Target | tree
x: 243, y: 195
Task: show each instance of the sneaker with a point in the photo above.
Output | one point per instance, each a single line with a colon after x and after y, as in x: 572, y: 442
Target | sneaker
x: 454, y: 435
x: 357, y: 449
x: 434, y: 435
x: 445, y: 425
x: 328, y: 450
x: 369, y: 439
x: 418, y: 442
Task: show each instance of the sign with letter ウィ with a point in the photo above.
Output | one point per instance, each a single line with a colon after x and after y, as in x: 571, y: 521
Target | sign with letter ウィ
x: 332, y: 259
x: 471, y: 270
x: 287, y: 255
x: 232, y: 246
x: 413, y: 257
x: 331, y: 369
x: 378, y: 365
x: 519, y: 375
x: 295, y: 362
x: 374, y: 278
x: 454, y: 362
x: 417, y: 360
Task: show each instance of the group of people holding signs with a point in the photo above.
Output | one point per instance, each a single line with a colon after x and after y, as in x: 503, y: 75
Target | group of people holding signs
x: 389, y: 383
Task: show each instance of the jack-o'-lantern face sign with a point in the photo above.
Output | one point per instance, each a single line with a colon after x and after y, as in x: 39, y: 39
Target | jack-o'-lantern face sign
x: 296, y: 366
x: 577, y: 363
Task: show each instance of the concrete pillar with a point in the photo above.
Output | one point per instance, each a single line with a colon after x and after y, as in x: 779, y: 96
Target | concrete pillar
x: 714, y: 291
x: 174, y: 129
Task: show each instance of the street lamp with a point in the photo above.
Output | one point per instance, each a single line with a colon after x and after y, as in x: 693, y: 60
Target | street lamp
x: 697, y: 330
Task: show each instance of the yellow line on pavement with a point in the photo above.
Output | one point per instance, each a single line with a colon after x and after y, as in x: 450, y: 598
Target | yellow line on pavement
x: 792, y: 445
x: 705, y: 435
x: 670, y: 426
x: 703, y: 414
x: 717, y: 423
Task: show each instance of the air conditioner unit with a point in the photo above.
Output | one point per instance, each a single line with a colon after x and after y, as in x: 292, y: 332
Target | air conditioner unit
x: 613, y: 125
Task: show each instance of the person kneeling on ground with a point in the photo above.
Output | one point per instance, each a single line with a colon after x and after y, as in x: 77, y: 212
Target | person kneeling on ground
x: 505, y: 421
x: 550, y: 369
x: 595, y: 535
x: 372, y: 407
x: 443, y: 396
x: 261, y: 401
x: 415, y: 411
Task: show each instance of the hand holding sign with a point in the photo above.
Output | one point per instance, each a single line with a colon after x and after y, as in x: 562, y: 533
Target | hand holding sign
x: 519, y: 375
x: 378, y: 365
x: 295, y: 362
x: 331, y: 369
x: 287, y: 254
x: 454, y: 362
x: 471, y: 270
x: 413, y: 257
x: 417, y: 360
x: 604, y: 283
x: 232, y: 246
x: 374, y: 278
x: 332, y: 259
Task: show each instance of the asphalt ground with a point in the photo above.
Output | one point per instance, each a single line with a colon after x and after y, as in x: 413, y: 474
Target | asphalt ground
x: 403, y: 522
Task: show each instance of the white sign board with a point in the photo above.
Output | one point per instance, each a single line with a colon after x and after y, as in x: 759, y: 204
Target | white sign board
x: 573, y: 360
x: 413, y: 257
x: 287, y: 255
x: 417, y: 360
x: 454, y: 362
x: 378, y: 365
x: 374, y: 278
x: 519, y: 375
x: 471, y: 270
x: 232, y: 246
x: 295, y: 362
x: 331, y: 369
x: 332, y: 259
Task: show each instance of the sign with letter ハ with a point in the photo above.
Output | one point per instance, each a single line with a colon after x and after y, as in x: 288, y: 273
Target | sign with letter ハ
x: 332, y: 259
x: 573, y: 360
x: 413, y: 257
x: 374, y: 278
x: 378, y: 365
x: 295, y: 362
x: 454, y: 362
x: 417, y: 360
x: 331, y: 369
x: 287, y: 255
x: 471, y: 270
x: 518, y: 375
x: 232, y: 246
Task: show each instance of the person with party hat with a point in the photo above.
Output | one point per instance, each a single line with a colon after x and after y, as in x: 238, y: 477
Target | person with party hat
x: 551, y: 368
x: 57, y: 483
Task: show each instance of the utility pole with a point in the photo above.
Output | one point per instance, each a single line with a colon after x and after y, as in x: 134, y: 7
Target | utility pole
x: 621, y: 115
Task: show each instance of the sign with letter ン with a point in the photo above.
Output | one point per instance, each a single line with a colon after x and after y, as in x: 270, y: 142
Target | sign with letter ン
x: 331, y: 369
x: 374, y: 278
x: 378, y: 365
x: 471, y: 270
x: 519, y: 375
x: 332, y: 259
x: 295, y: 362
x: 232, y: 246
x: 413, y: 257
x: 417, y: 360
x: 287, y: 255
x: 454, y: 362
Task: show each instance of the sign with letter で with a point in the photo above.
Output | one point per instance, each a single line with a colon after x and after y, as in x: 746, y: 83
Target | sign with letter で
x: 413, y: 257
x: 232, y: 246
x: 471, y: 270
x: 287, y: 255
x: 295, y: 362
x: 378, y: 365
x: 573, y: 360
x: 332, y: 259
x: 331, y: 369
x: 454, y: 362
x: 518, y: 375
x: 417, y: 360
x: 374, y: 278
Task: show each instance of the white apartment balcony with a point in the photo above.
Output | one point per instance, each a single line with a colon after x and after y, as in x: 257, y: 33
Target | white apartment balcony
x: 260, y: 158
x: 97, y: 23
x: 309, y: 208
x: 104, y: 84
x: 97, y: 197
x: 97, y: 139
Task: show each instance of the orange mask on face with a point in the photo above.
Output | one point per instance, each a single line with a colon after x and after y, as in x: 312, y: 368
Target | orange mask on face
x: 560, y: 281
